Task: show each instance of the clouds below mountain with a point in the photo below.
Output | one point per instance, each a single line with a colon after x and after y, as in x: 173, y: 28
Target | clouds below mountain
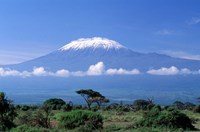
x: 122, y: 71
x: 172, y: 71
x: 95, y: 70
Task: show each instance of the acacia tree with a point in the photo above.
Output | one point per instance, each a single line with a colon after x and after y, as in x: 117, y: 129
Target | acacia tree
x: 99, y: 100
x: 91, y: 96
x: 7, y: 113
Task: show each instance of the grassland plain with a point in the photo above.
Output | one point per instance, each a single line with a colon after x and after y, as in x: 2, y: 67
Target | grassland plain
x: 124, y: 121
x: 118, y: 121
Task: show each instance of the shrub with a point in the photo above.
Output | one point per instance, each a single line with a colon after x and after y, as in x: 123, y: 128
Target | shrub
x: 7, y: 113
x: 113, y: 106
x: 36, y: 118
x: 183, y: 106
x: 179, y: 105
x: 78, y: 118
x: 123, y: 108
x: 141, y: 104
x: 67, y: 107
x: 77, y: 107
x: 55, y: 103
x: 189, y: 106
x: 170, y: 118
x: 196, y: 109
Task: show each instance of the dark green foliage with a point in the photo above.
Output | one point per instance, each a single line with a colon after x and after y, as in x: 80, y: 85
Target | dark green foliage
x: 68, y: 107
x: 183, y: 106
x: 56, y: 104
x: 46, y: 109
x: 171, y: 118
x: 179, y: 105
x: 7, y: 113
x: 78, y: 107
x: 189, y: 106
x: 118, y: 107
x: 24, y: 118
x: 141, y: 104
x: 36, y: 118
x: 78, y: 118
x: 196, y: 109
x: 123, y: 108
x: 25, y: 107
x: 113, y: 106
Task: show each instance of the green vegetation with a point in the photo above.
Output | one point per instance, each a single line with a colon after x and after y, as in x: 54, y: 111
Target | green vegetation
x: 55, y: 115
x: 55, y: 104
x: 80, y: 118
x: 7, y: 113
x: 170, y: 118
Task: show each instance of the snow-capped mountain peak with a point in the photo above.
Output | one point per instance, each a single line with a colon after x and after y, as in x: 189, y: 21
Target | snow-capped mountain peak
x: 95, y: 42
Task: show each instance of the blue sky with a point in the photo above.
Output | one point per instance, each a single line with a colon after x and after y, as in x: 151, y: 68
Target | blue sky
x: 31, y: 28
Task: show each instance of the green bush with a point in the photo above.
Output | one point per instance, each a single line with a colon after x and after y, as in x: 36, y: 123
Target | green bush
x: 33, y: 118
x: 141, y: 104
x: 80, y: 118
x: 7, y: 113
x: 56, y: 104
x: 170, y: 118
x: 196, y: 109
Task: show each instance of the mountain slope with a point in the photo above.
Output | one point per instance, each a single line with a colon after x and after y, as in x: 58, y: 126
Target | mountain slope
x: 80, y: 54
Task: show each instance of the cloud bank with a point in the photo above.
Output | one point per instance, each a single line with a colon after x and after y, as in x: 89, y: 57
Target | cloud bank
x: 172, y: 71
x: 93, y: 70
x: 122, y: 71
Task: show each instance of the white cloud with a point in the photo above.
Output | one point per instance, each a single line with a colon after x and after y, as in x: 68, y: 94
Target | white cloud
x: 194, y: 20
x: 93, y: 70
x: 172, y: 71
x: 164, y: 71
x: 38, y: 71
x: 122, y: 71
x: 164, y: 32
x: 79, y: 74
x: 186, y: 71
x: 8, y: 72
x: 97, y: 69
x: 181, y: 54
x: 62, y: 73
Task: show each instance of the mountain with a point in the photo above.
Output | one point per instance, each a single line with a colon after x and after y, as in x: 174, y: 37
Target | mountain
x: 81, y: 53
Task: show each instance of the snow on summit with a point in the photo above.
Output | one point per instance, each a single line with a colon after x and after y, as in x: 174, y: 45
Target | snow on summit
x: 96, y: 42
